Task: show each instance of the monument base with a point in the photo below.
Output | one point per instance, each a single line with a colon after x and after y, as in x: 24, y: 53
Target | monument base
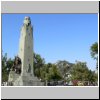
x: 23, y: 80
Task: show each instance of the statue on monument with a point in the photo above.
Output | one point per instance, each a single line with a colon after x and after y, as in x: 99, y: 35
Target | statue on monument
x: 17, y: 65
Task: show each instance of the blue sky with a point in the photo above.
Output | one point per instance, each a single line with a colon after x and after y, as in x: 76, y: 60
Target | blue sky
x: 56, y: 36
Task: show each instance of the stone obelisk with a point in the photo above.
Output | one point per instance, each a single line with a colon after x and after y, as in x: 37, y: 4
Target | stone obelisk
x: 26, y: 47
x: 26, y: 77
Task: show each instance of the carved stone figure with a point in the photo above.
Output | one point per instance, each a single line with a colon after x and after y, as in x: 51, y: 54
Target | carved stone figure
x: 17, y: 65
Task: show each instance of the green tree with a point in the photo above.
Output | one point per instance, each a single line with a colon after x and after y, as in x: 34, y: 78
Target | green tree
x: 54, y: 73
x: 9, y: 64
x: 43, y: 73
x: 94, y: 52
x: 6, y: 66
x: 81, y: 72
x: 92, y: 76
x: 38, y: 64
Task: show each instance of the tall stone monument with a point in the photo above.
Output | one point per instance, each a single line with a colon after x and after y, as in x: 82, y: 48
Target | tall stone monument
x: 26, y: 76
x: 26, y: 47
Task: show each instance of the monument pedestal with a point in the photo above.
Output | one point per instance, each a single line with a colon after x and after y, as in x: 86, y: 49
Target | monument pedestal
x: 24, y: 80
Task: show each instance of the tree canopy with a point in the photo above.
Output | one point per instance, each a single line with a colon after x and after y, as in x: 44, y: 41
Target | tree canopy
x: 94, y: 52
x: 81, y: 72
